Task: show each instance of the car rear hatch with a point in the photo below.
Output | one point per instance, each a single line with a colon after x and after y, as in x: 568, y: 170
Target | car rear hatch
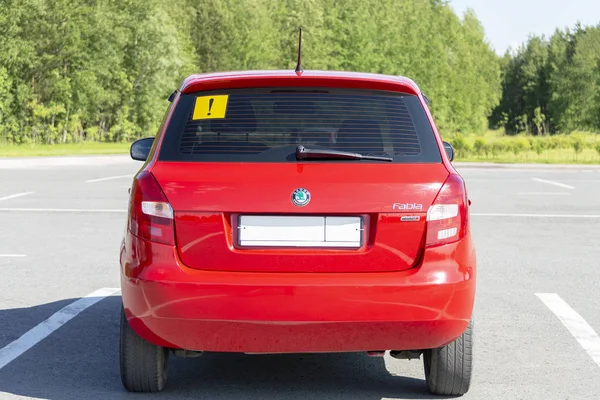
x: 242, y: 200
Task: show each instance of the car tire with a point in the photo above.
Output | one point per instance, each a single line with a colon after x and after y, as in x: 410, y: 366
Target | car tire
x: 448, y: 369
x: 144, y: 366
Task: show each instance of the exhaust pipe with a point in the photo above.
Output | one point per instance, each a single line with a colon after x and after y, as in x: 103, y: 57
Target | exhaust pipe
x: 186, y: 353
x: 406, y: 354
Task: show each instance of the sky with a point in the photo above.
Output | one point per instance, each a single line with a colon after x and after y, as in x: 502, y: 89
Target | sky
x: 510, y: 22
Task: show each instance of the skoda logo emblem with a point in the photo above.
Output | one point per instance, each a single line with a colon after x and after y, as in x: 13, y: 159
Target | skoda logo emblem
x: 300, y: 197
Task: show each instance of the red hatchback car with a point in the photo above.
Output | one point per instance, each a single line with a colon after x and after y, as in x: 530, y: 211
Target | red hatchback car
x: 282, y: 212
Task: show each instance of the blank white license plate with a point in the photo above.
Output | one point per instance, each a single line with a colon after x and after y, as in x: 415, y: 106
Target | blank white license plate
x: 272, y: 231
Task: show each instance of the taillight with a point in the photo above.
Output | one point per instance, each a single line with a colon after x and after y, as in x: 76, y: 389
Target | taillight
x: 447, y: 216
x: 150, y: 214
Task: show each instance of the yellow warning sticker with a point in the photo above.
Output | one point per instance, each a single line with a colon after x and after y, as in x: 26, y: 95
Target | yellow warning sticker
x: 210, y: 107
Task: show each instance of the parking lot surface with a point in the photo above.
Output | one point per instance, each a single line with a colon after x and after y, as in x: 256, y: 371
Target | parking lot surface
x: 536, y: 316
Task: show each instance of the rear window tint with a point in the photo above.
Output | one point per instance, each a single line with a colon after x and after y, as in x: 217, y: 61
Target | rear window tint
x: 266, y: 125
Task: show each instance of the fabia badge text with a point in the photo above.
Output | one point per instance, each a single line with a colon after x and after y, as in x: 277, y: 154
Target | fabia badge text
x: 407, y: 207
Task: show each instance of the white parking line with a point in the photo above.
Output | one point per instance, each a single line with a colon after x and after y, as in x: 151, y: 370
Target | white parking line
x: 65, y: 210
x: 553, y: 183
x: 109, y: 178
x: 13, y: 255
x: 579, y: 328
x: 571, y: 216
x: 45, y: 328
x: 544, y: 193
x: 14, y: 196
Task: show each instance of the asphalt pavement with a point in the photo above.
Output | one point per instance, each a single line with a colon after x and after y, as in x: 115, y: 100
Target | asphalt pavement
x: 536, y: 230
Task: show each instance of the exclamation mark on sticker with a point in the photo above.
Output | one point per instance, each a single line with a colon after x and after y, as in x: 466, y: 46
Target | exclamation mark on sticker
x: 210, y: 104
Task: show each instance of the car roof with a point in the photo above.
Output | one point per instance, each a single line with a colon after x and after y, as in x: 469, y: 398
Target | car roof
x: 195, y: 81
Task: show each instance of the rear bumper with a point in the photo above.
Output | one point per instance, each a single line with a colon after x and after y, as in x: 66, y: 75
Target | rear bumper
x: 171, y: 305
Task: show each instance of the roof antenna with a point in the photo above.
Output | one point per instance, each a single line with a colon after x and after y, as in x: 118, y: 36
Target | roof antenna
x: 299, y: 69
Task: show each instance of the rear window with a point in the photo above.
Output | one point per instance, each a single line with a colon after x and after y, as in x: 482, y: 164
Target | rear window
x: 266, y: 125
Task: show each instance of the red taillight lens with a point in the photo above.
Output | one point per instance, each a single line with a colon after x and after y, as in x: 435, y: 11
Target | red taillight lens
x: 447, y: 216
x: 150, y: 214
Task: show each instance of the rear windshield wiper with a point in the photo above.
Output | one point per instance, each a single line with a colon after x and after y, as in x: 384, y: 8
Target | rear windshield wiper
x: 302, y: 153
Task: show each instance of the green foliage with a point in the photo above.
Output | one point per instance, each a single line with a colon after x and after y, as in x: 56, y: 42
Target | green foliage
x: 480, y: 147
x: 519, y: 145
x: 73, y: 70
x: 494, y: 146
x: 577, y: 143
x: 88, y: 70
x: 524, y: 143
x: 461, y: 146
x: 538, y: 119
x: 539, y: 146
x: 552, y: 84
x: 498, y: 147
x: 558, y: 142
x: 61, y: 149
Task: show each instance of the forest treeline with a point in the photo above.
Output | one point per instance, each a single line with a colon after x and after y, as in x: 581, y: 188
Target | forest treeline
x: 73, y: 70
x: 552, y: 84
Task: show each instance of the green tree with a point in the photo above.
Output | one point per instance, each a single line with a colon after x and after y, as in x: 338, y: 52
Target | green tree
x: 555, y: 83
x: 73, y: 70
x: 578, y: 144
x: 524, y: 86
x: 538, y: 119
x: 576, y: 81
